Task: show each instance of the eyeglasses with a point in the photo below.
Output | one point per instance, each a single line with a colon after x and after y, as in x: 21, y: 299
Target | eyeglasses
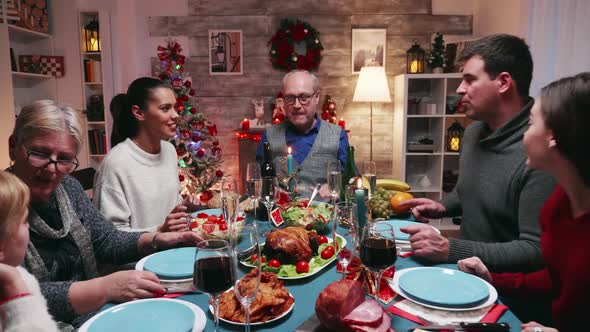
x: 303, y: 99
x: 41, y: 160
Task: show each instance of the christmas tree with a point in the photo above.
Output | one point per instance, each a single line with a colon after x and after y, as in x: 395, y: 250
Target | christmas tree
x: 329, y: 110
x: 437, y: 53
x: 197, y: 146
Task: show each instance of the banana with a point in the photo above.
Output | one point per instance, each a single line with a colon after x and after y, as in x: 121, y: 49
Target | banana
x: 392, y: 184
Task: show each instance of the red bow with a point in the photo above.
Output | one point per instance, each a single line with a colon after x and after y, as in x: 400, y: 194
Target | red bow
x: 171, y: 52
x: 357, y: 271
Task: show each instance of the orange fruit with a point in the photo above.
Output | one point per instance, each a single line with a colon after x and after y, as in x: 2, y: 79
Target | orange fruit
x: 398, y: 198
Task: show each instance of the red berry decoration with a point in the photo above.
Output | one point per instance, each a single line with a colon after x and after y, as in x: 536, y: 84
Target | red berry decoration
x: 185, y: 98
x: 200, y: 153
x: 179, y: 151
x: 219, y: 173
x: 195, y: 138
x: 180, y: 177
x: 188, y: 84
x: 193, y: 111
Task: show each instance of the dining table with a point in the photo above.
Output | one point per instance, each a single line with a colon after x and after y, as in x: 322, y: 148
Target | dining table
x: 306, y: 290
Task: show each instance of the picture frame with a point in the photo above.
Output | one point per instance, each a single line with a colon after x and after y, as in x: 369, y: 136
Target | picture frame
x: 225, y: 52
x: 453, y: 50
x: 368, y: 48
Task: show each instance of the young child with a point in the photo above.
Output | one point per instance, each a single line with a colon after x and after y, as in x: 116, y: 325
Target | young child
x: 22, y: 307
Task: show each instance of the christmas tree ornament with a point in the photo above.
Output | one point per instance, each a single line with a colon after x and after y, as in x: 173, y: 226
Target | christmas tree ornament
x: 329, y: 110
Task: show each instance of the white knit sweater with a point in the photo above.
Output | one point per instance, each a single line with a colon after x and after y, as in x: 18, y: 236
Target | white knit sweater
x: 136, y: 190
x: 28, y: 313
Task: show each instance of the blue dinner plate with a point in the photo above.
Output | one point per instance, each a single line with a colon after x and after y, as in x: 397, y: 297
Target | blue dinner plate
x: 396, y: 224
x: 173, y: 264
x: 444, y: 287
x: 156, y: 315
x: 210, y: 212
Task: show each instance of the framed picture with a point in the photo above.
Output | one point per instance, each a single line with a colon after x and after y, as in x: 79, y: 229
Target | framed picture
x: 453, y: 51
x: 368, y: 48
x: 225, y: 52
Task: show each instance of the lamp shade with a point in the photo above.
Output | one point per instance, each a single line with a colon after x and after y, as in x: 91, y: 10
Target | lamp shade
x: 372, y: 86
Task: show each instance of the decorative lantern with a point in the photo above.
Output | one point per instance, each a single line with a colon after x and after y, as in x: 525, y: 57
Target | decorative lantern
x: 454, y: 137
x: 92, y: 36
x: 415, y: 59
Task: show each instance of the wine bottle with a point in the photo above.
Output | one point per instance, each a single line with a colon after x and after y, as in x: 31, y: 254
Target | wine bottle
x: 349, y: 174
x: 267, y: 170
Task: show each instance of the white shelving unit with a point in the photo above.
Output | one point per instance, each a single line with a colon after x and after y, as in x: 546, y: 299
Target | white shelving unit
x: 97, y: 85
x: 18, y: 89
x: 424, y: 110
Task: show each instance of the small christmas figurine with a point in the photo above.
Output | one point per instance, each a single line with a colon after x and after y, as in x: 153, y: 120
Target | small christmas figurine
x: 437, y: 58
x: 278, y: 113
x: 258, y: 122
x: 329, y: 110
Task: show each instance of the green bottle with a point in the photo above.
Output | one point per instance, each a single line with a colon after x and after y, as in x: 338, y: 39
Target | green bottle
x: 349, y: 175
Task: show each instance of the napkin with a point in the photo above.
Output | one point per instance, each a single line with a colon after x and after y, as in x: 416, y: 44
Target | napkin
x: 415, y: 312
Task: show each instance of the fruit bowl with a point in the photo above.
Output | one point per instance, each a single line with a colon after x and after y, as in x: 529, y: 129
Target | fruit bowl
x: 315, y: 217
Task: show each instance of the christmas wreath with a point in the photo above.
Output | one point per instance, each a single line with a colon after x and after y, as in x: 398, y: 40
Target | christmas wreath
x: 292, y: 35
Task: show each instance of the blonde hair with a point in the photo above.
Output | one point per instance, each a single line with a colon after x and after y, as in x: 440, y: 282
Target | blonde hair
x: 47, y: 115
x: 14, y: 199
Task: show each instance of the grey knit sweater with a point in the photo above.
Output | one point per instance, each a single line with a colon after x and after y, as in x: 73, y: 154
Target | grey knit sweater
x: 62, y: 257
x: 499, y: 198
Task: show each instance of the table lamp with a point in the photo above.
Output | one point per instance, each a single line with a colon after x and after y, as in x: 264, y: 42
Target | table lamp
x: 372, y: 87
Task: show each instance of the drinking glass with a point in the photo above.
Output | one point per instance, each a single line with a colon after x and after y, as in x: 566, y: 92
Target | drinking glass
x: 214, y: 271
x: 269, y: 194
x: 253, y: 183
x: 370, y: 173
x: 334, y: 179
x: 345, y: 216
x: 377, y: 250
x: 245, y: 242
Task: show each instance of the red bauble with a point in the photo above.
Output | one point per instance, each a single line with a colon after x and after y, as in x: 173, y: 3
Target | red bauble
x: 216, y: 151
x: 179, y: 151
x: 200, y: 153
x: 191, y: 92
x: 180, y: 177
x: 193, y: 110
x: 325, y: 116
x: 185, y: 98
x: 219, y: 173
x: 196, y: 138
x: 188, y: 84
x: 216, y: 143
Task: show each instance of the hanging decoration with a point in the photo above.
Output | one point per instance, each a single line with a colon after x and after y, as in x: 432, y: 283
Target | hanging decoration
x: 196, y: 142
x: 296, y: 45
x: 329, y: 110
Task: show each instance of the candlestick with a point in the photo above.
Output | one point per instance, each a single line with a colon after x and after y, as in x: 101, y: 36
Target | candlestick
x: 342, y: 123
x: 290, y: 168
x: 360, y: 204
x: 245, y: 124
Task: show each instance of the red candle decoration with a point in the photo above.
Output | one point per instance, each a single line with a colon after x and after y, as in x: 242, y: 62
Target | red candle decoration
x: 342, y: 123
x: 245, y: 124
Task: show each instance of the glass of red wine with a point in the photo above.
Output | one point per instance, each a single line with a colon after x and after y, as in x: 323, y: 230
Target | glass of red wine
x: 377, y: 250
x: 214, y: 272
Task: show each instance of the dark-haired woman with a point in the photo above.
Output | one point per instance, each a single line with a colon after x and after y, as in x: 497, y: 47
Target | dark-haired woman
x: 556, y: 142
x: 137, y: 187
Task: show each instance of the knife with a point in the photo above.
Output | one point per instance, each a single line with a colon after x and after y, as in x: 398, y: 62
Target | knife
x: 472, y: 327
x: 314, y: 193
x: 189, y: 288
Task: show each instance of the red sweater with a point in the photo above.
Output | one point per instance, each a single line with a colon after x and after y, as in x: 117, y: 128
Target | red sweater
x: 565, y: 244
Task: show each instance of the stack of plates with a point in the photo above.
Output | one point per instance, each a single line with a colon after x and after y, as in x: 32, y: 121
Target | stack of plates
x: 444, y: 289
x: 174, y: 265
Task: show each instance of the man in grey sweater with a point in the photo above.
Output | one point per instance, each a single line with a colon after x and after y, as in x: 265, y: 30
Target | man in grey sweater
x: 498, y: 197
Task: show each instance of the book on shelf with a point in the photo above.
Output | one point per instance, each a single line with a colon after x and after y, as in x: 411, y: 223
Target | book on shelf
x: 92, y: 71
x: 97, y: 141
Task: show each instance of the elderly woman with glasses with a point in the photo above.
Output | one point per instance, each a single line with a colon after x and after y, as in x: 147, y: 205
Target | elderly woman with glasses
x: 69, y: 239
x: 314, y: 142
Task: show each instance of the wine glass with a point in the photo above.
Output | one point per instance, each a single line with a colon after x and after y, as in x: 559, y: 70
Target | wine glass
x: 253, y: 183
x: 214, y: 271
x: 230, y: 202
x: 269, y: 194
x: 370, y: 173
x: 345, y: 216
x: 334, y: 179
x: 246, y: 244
x: 377, y: 250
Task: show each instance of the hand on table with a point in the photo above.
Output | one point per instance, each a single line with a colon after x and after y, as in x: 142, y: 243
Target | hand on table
x: 176, y: 221
x: 474, y: 265
x: 536, y: 327
x: 177, y: 239
x: 324, y: 191
x: 424, y: 208
x: 427, y: 243
x: 192, y: 203
x: 11, y: 283
x: 126, y: 286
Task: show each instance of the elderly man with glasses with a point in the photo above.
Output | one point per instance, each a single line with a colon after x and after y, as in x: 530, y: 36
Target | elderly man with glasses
x: 314, y: 142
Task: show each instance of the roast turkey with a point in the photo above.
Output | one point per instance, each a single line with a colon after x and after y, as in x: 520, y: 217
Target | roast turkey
x: 290, y: 245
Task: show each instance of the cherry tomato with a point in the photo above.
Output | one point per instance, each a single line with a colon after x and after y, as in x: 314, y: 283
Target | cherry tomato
x: 212, y: 219
x: 194, y: 225
x: 223, y: 227
x: 253, y: 257
x: 240, y: 218
x: 262, y: 259
x: 302, y: 267
x: 322, y: 239
x: 330, y: 248
x: 326, y: 253
x: 208, y: 227
x: 274, y: 263
x: 202, y: 215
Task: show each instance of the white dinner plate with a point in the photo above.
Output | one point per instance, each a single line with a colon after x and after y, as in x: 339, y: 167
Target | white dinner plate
x: 395, y: 285
x: 309, y: 274
x: 148, y: 315
x: 257, y: 323
x: 139, y: 267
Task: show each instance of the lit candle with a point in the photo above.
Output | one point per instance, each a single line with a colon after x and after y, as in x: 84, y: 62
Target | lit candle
x: 342, y: 123
x: 290, y: 168
x: 276, y: 121
x: 414, y: 66
x: 245, y: 124
x: 455, y: 143
x: 360, y: 203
